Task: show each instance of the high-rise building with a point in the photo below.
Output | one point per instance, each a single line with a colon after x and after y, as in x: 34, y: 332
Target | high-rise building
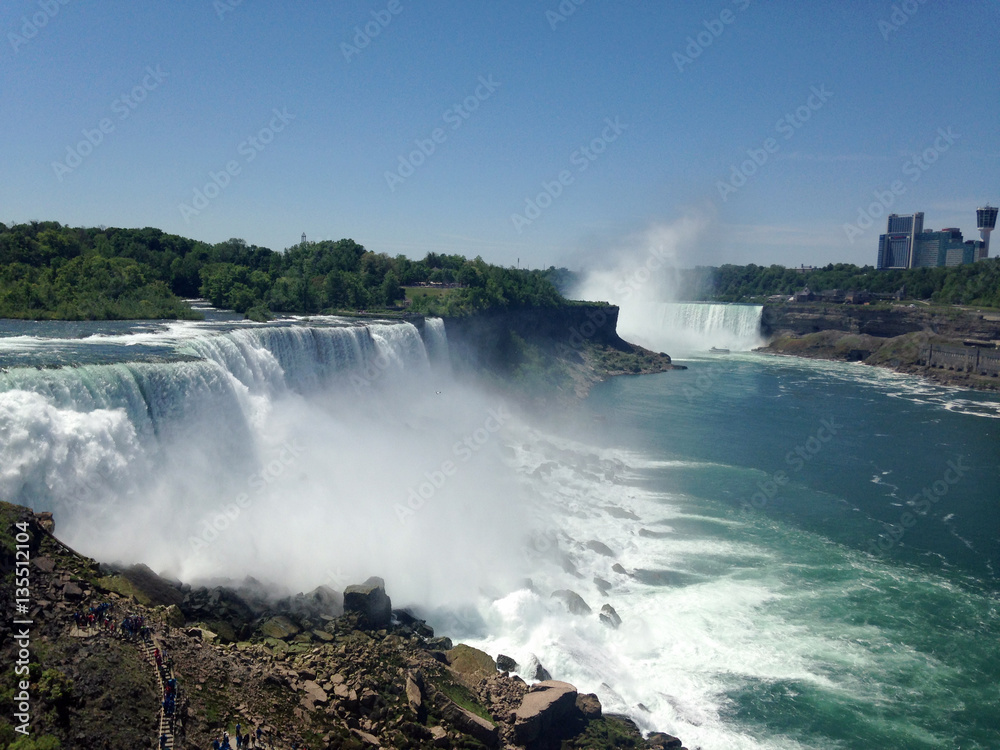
x: 986, y: 221
x: 905, y: 244
x: 895, y: 247
x: 944, y: 248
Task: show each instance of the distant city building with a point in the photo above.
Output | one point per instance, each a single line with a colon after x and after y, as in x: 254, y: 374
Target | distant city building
x: 944, y: 248
x: 895, y: 247
x: 986, y: 221
x: 906, y: 244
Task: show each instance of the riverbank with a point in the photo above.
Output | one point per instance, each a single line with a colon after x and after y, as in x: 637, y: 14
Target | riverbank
x: 926, y: 341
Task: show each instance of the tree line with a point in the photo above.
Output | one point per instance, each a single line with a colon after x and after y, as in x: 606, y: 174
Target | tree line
x: 48, y: 270
x: 970, y: 284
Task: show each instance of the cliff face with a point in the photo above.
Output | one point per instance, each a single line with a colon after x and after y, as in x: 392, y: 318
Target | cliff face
x: 572, y: 326
x: 536, y: 354
x: 802, y: 319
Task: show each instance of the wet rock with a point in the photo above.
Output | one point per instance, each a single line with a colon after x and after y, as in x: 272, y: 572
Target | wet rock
x: 573, y: 601
x: 589, y: 705
x: 440, y: 644
x: 615, y: 511
x: 609, y: 617
x: 370, y: 602
x: 649, y: 534
x: 603, y: 586
x: 600, y: 548
x: 505, y: 663
x: 662, y: 741
x: 619, y: 568
x: 541, y: 673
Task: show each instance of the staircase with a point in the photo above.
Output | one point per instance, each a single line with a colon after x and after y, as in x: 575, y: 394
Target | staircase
x: 168, y: 724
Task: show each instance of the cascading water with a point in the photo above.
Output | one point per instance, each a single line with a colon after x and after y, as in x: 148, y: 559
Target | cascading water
x: 283, y: 450
x: 684, y: 328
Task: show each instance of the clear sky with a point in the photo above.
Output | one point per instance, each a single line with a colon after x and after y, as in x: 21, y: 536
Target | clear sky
x: 433, y: 130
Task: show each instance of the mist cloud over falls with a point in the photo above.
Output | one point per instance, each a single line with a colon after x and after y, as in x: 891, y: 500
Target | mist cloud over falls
x: 300, y: 457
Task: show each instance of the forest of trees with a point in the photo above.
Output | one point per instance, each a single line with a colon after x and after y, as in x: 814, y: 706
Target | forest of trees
x: 52, y: 271
x: 971, y: 284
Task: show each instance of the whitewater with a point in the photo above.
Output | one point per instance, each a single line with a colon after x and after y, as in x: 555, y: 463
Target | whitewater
x: 322, y: 451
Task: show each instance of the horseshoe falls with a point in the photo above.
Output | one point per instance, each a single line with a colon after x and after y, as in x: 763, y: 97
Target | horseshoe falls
x: 682, y: 328
x: 803, y: 554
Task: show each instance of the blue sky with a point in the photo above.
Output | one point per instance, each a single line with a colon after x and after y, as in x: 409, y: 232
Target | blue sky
x: 512, y: 130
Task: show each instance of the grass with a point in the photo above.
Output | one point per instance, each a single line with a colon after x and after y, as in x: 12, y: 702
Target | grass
x: 464, y: 698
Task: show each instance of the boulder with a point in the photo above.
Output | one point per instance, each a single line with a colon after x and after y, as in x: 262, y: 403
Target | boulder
x: 173, y: 616
x: 370, y: 602
x: 439, y: 644
x: 600, y: 548
x: 439, y: 736
x: 414, y: 694
x: 544, y: 713
x: 72, y: 592
x: 505, y: 663
x: 662, y: 741
x: 470, y: 663
x: 589, y: 705
x: 603, y: 586
x: 619, y: 568
x: 609, y: 617
x: 541, y: 673
x: 315, y: 695
x: 573, y: 601
x: 466, y: 721
x: 279, y: 627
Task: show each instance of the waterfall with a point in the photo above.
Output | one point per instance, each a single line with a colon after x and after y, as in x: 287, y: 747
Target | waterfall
x: 87, y: 440
x: 680, y: 328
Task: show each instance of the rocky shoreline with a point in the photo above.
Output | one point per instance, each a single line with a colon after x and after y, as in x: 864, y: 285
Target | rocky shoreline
x: 897, y: 338
x: 322, y: 670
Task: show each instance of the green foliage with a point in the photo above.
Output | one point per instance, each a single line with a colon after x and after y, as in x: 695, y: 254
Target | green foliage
x: 970, y: 284
x: 51, y: 271
x: 44, y: 742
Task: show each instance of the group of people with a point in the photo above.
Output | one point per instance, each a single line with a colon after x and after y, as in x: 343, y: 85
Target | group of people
x: 243, y: 741
x: 97, y: 614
